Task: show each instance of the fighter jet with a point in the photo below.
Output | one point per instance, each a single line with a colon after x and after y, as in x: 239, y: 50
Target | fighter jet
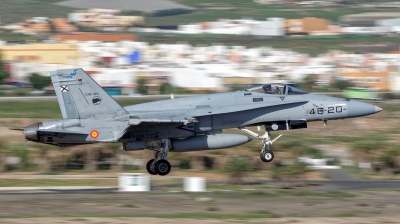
x: 193, y: 123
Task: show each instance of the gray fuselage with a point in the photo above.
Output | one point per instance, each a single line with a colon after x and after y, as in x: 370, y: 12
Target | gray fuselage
x: 215, y: 112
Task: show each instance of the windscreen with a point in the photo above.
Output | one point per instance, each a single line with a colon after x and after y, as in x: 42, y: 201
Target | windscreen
x: 278, y: 89
x: 295, y: 91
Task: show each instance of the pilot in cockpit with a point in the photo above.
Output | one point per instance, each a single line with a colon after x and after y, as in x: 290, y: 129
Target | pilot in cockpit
x: 277, y: 90
x: 267, y: 89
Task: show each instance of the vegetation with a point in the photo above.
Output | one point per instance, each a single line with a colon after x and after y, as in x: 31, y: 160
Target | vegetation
x: 211, y: 10
x: 289, y: 172
x: 12, y: 11
x: 39, y: 81
x: 308, y: 83
x: 383, y: 157
x: 141, y: 86
x: 207, y: 10
x: 3, y: 75
x: 235, y: 87
x: 313, y: 46
x: 166, y: 88
x: 58, y: 182
x: 237, y: 168
x: 342, y: 84
x: 170, y: 12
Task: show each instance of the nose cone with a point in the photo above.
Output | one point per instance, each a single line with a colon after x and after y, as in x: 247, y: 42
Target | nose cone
x: 378, y: 109
x: 30, y: 132
x: 359, y: 109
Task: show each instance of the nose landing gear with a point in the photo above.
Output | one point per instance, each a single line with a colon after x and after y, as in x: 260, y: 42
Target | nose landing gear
x: 266, y: 154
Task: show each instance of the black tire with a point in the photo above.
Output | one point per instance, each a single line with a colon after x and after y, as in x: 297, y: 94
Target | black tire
x: 162, y: 167
x: 148, y: 167
x: 267, y: 156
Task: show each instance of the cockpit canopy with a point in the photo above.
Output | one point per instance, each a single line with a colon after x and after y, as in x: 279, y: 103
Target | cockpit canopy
x: 276, y: 88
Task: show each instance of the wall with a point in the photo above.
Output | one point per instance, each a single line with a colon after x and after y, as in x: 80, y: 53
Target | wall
x: 271, y: 27
x: 54, y: 53
x: 377, y: 80
x: 313, y: 24
x: 306, y: 25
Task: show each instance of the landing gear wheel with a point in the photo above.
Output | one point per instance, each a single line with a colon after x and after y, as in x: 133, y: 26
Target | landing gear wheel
x: 162, y: 167
x: 150, y: 168
x: 267, y: 156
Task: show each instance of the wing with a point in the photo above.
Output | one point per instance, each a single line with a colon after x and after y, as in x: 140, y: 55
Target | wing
x: 186, y: 116
x: 207, y: 110
x: 189, y: 115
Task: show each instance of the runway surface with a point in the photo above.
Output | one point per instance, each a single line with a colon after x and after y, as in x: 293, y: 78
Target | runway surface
x: 328, y: 185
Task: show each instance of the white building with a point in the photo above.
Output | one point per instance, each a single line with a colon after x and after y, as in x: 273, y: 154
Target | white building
x: 270, y: 27
x: 209, y: 66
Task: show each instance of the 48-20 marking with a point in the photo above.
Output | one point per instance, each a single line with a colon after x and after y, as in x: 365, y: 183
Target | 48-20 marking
x: 331, y: 110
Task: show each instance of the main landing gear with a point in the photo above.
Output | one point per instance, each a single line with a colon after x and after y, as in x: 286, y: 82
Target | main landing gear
x: 266, y: 154
x: 160, y: 165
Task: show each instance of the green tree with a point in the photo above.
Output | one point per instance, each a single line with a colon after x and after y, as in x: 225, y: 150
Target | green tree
x: 141, y: 86
x: 166, y: 88
x: 171, y: 12
x: 1, y: 62
x: 237, y: 169
x: 38, y: 81
x: 307, y: 83
x: 342, y: 84
x: 389, y: 157
x: 236, y: 86
x: 3, y: 75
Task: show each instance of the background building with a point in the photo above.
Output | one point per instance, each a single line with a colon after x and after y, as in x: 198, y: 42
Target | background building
x: 306, y: 25
x: 52, y: 53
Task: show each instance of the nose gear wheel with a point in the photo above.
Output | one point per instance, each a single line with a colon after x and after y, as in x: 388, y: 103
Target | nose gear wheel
x: 266, y: 154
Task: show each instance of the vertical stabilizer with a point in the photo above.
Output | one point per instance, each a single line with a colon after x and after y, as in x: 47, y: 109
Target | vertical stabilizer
x: 80, y: 96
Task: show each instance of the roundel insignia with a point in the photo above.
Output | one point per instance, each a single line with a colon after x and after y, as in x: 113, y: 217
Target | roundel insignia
x: 94, y: 134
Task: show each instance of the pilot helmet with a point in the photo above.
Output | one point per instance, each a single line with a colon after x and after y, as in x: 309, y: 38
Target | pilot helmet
x: 267, y: 88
